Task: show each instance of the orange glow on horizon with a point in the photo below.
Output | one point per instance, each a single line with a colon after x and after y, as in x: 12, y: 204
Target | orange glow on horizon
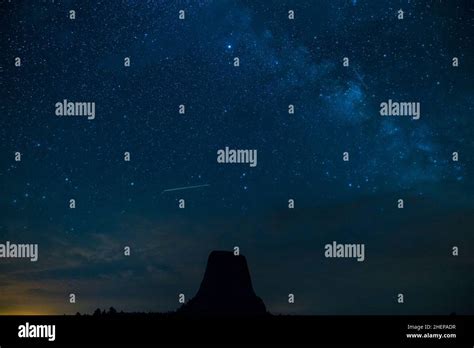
x: 29, y: 311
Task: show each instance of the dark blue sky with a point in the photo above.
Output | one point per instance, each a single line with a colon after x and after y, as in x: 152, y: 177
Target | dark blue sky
x: 282, y: 62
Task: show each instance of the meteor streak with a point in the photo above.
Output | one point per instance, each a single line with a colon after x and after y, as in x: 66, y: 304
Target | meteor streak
x: 184, y: 188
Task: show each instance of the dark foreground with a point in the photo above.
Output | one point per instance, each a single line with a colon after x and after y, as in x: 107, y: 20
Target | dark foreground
x: 133, y: 329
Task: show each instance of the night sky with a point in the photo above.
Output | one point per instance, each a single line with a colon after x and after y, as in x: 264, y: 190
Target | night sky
x: 300, y: 155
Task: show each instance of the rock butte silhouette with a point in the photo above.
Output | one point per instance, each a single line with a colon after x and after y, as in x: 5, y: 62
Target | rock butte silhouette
x: 226, y: 289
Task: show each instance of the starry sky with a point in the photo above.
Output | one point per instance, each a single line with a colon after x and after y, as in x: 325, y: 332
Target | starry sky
x: 282, y: 62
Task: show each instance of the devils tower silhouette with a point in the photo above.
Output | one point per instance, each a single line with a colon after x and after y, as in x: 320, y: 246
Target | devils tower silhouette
x: 226, y: 289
